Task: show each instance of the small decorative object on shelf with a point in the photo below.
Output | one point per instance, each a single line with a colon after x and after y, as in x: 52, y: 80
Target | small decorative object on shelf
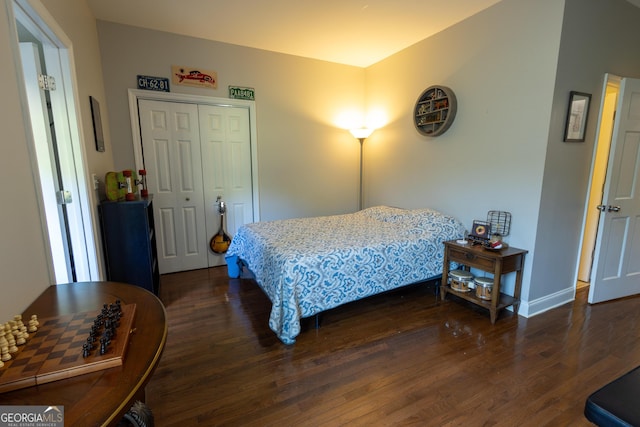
x: 459, y: 280
x: 480, y: 232
x: 129, y: 180
x: 490, y: 233
x: 115, y: 186
x: 144, y: 192
x: 484, y: 287
x: 500, y: 222
x: 435, y: 110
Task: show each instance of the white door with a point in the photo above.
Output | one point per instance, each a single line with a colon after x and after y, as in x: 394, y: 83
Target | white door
x: 616, y: 270
x: 47, y: 167
x: 59, y: 159
x: 226, y: 165
x: 171, y: 146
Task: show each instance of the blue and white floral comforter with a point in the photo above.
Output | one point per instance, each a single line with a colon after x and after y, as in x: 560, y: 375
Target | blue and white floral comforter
x: 309, y: 265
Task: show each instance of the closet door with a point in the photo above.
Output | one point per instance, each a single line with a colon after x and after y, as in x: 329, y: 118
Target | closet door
x: 226, y: 165
x: 171, y: 147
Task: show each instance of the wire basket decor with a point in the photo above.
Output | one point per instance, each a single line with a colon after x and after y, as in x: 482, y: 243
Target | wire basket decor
x: 500, y: 222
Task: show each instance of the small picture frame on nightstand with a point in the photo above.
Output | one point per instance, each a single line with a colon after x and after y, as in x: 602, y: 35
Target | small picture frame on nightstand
x: 480, y: 232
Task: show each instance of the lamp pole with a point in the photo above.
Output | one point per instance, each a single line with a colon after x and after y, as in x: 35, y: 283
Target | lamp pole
x: 361, y: 198
x: 361, y: 134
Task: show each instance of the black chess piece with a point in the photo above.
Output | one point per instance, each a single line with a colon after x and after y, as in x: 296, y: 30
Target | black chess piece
x: 103, y: 345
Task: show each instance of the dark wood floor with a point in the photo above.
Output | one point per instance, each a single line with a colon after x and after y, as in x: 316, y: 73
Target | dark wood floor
x: 402, y: 358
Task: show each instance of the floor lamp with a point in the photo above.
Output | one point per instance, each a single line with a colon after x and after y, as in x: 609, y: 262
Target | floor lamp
x: 361, y: 134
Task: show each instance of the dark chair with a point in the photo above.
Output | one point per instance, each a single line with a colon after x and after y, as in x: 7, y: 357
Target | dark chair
x: 617, y: 403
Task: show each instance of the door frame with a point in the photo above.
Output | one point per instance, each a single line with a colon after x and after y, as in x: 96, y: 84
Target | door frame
x: 83, y: 227
x: 137, y: 94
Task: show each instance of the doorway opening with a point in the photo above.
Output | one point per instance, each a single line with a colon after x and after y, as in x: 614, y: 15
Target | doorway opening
x: 606, y: 118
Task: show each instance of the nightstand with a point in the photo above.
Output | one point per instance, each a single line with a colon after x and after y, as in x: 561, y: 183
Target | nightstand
x: 497, y: 262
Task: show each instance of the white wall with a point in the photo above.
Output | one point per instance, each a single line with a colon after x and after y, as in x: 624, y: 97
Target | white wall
x: 23, y: 261
x: 307, y: 164
x: 501, y: 66
x: 512, y: 68
x: 598, y: 37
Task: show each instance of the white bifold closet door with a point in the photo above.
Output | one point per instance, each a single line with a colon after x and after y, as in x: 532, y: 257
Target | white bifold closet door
x: 193, y: 154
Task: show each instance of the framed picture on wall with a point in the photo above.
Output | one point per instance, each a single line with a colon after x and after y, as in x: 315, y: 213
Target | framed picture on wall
x: 97, y: 124
x: 577, y: 114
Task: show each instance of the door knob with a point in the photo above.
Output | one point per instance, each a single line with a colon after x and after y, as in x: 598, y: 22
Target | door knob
x: 187, y: 199
x: 608, y: 208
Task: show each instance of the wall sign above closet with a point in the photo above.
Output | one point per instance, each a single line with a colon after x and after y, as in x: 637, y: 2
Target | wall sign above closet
x: 435, y: 110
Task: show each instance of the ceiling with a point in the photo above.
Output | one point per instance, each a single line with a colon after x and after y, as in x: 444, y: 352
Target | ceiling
x: 353, y: 32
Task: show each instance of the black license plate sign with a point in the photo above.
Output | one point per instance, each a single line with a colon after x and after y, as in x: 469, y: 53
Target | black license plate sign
x: 160, y: 84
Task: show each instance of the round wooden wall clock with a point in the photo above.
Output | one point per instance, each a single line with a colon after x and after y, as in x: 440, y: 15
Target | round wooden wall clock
x: 435, y: 110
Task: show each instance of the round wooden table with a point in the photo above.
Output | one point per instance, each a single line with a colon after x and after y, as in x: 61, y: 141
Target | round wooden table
x: 102, y: 397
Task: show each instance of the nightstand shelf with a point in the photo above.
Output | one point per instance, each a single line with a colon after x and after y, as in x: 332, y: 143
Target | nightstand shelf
x: 504, y: 301
x: 504, y: 261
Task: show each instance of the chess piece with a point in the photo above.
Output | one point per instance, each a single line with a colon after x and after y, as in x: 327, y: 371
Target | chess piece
x: 4, y: 354
x: 32, y: 326
x: 104, y: 344
x: 12, y: 343
x: 34, y: 317
x: 18, y: 319
x: 20, y: 339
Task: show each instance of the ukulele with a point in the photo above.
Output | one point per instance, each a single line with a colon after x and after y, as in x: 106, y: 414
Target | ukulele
x: 221, y: 241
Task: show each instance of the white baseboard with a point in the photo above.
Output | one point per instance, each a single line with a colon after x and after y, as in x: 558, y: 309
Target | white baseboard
x: 533, y: 308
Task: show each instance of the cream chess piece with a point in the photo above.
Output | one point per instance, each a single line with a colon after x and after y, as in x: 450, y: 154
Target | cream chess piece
x: 33, y: 324
x: 12, y: 342
x: 4, y: 349
x: 5, y: 356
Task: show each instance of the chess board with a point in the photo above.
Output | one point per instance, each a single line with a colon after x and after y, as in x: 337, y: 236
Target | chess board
x: 55, y: 351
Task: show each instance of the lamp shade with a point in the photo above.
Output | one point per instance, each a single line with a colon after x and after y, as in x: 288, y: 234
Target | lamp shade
x: 361, y: 133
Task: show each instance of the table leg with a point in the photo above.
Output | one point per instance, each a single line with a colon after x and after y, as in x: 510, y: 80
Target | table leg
x: 445, y: 273
x: 495, y: 292
x: 518, y: 285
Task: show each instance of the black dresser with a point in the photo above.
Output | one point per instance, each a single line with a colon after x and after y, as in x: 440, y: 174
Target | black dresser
x: 129, y: 239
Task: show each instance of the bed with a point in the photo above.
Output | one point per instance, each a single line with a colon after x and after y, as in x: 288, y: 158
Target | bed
x: 309, y: 265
